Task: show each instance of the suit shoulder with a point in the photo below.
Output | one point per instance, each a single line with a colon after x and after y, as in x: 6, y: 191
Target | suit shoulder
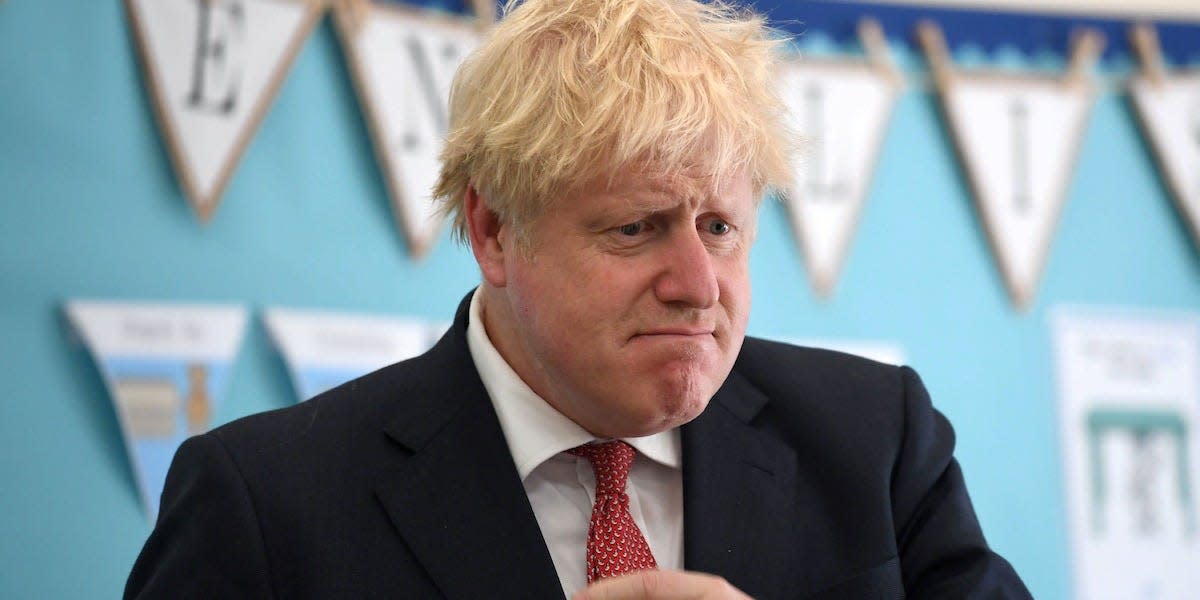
x: 768, y: 360
x: 825, y: 388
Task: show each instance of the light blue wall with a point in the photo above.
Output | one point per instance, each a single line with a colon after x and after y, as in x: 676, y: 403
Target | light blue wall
x: 89, y: 209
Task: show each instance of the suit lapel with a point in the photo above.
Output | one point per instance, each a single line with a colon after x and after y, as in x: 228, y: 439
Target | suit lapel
x: 740, y: 509
x: 452, y: 490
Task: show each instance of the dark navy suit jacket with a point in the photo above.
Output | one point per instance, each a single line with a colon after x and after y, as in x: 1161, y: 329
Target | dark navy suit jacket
x: 811, y: 474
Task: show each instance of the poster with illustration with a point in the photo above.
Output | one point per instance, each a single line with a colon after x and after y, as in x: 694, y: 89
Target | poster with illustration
x: 1129, y: 409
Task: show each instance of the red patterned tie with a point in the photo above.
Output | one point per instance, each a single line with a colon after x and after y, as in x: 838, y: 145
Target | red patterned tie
x: 615, y: 545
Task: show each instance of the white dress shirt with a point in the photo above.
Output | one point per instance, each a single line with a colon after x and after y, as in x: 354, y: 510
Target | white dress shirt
x: 561, y: 487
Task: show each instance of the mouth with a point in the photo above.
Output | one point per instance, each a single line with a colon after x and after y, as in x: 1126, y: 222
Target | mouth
x: 676, y: 332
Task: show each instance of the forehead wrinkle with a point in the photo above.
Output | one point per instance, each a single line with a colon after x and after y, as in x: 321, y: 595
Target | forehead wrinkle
x: 654, y: 197
x: 672, y: 184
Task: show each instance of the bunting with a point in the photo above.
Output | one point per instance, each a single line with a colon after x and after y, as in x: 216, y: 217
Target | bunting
x: 213, y: 67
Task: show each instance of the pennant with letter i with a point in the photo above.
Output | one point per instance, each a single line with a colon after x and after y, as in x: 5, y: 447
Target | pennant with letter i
x: 1168, y: 110
x: 166, y: 367
x: 841, y: 109
x: 402, y: 60
x: 212, y: 68
x: 1017, y: 138
x: 324, y: 349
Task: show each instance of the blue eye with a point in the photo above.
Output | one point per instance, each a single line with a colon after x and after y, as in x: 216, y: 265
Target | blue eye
x: 718, y: 227
x: 631, y: 229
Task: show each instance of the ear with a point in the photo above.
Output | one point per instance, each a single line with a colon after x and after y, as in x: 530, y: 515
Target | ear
x: 487, y: 236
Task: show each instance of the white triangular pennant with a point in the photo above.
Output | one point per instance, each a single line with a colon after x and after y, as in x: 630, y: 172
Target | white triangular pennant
x: 842, y: 112
x: 325, y: 349
x: 213, y: 67
x: 1170, y: 116
x: 1168, y: 110
x: 166, y: 367
x: 403, y: 62
x: 1018, y: 138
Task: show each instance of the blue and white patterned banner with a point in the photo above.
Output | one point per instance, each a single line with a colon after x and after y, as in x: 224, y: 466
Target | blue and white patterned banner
x: 166, y: 367
x: 325, y: 349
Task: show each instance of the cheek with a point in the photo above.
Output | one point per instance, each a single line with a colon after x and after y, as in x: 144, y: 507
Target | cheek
x: 735, y: 294
x: 552, y: 308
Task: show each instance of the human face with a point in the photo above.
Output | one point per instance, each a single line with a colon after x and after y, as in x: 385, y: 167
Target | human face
x: 630, y: 309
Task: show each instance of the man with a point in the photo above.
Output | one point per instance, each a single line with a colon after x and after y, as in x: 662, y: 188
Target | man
x: 594, y: 421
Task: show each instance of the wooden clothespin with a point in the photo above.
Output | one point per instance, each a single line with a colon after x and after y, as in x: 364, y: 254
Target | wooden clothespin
x: 1088, y: 45
x: 353, y: 14
x: 1144, y: 38
x: 878, y: 53
x: 933, y: 43
x: 485, y: 13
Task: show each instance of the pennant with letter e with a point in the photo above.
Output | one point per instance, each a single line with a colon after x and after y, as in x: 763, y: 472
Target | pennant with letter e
x: 1017, y: 138
x: 212, y: 68
x: 1168, y: 110
x: 325, y: 349
x: 402, y: 60
x: 841, y: 109
x: 166, y: 367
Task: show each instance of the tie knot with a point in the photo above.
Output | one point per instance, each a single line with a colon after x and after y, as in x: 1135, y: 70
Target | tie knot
x: 610, y: 463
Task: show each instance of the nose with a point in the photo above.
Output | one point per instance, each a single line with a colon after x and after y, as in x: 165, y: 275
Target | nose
x: 688, y: 277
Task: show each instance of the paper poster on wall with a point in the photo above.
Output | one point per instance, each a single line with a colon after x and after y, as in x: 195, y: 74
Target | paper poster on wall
x: 1168, y: 109
x: 877, y: 350
x: 323, y: 350
x: 1129, y: 409
x: 1017, y: 137
x: 402, y: 60
x: 212, y: 68
x: 841, y: 109
x: 166, y: 367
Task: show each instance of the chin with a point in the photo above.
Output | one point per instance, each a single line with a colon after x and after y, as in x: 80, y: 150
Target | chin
x: 669, y: 397
x: 677, y: 410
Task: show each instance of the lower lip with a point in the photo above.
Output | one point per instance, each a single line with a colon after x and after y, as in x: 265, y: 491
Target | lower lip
x: 667, y: 337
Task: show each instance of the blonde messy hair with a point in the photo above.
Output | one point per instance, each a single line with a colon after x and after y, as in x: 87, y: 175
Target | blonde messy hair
x: 564, y: 93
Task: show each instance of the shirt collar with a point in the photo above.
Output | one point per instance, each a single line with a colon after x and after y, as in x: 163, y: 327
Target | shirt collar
x: 534, y: 430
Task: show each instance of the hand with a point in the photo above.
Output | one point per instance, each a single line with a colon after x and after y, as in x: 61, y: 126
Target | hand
x: 662, y: 585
